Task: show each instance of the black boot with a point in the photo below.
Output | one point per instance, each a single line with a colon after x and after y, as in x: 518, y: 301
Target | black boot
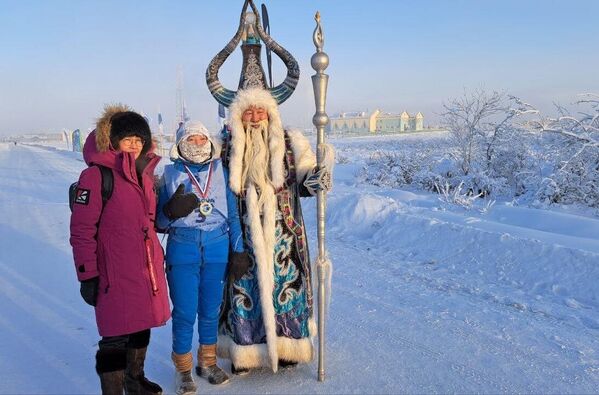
x: 284, y: 364
x: 110, y: 366
x: 239, y: 371
x: 136, y: 382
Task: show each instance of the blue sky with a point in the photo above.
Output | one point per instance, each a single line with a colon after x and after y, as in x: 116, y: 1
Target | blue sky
x: 60, y: 61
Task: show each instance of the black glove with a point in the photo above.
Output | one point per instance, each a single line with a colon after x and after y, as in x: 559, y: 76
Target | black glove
x: 239, y: 264
x: 89, y: 290
x: 180, y: 204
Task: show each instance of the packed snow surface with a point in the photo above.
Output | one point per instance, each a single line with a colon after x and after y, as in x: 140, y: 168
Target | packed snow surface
x: 426, y: 297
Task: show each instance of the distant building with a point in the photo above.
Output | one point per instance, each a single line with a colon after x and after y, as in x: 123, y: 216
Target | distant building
x: 377, y: 122
x: 34, y: 137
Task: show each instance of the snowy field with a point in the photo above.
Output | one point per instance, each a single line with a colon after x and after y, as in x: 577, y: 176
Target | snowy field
x: 427, y: 297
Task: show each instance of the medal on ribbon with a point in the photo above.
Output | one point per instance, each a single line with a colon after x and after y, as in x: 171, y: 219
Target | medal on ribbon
x: 205, y: 206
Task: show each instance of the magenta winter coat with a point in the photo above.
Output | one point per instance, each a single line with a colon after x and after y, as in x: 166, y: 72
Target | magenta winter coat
x: 122, y: 248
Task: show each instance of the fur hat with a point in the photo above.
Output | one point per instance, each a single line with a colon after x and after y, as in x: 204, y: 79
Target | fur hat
x: 118, y: 122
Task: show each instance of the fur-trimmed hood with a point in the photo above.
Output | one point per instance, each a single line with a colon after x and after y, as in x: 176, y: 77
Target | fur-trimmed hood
x: 276, y: 136
x: 98, y: 148
x: 103, y: 125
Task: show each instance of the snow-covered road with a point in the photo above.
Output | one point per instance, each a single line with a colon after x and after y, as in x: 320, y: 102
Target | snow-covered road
x: 426, y: 298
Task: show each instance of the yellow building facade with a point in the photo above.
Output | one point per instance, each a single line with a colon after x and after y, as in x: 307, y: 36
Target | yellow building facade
x: 375, y: 122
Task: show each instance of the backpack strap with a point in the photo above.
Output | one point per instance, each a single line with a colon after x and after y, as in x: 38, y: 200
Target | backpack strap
x: 107, y: 183
x: 106, y: 187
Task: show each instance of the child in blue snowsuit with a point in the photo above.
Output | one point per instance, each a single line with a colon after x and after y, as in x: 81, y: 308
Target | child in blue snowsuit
x: 200, y: 214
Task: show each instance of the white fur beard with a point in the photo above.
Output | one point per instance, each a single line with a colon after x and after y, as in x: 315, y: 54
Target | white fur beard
x: 257, y: 158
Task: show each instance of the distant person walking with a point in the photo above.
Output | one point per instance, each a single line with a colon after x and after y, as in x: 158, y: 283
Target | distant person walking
x: 118, y: 258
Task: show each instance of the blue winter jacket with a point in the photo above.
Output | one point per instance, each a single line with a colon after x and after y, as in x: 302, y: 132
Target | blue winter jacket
x: 225, y: 212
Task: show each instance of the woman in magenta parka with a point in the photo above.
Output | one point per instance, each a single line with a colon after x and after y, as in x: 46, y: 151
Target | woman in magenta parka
x: 118, y: 258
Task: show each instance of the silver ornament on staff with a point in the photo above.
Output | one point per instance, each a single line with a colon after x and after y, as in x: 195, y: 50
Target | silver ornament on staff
x: 320, y: 62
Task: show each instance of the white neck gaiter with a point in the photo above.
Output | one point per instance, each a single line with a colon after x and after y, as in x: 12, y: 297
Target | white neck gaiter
x: 194, y: 153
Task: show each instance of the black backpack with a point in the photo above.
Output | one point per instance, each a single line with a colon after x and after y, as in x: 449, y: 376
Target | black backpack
x: 107, y: 186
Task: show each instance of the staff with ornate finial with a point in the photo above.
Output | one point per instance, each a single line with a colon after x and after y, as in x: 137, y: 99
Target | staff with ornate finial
x: 320, y: 62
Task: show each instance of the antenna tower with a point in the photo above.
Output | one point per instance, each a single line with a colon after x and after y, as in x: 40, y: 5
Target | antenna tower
x: 179, y: 99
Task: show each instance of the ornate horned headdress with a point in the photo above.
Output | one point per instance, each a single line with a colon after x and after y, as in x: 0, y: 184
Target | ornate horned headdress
x: 252, y: 74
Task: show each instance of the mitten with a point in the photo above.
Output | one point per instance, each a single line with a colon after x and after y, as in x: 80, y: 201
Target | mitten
x: 239, y: 264
x: 180, y: 204
x: 318, y: 179
x: 89, y: 290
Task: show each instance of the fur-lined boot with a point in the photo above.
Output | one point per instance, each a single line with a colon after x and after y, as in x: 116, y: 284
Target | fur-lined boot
x: 207, y: 367
x: 110, y: 366
x: 184, y: 384
x: 136, y: 382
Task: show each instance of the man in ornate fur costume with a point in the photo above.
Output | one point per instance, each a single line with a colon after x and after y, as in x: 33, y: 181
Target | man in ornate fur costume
x: 268, y: 314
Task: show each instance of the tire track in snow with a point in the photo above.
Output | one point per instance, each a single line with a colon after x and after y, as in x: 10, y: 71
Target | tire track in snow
x: 372, y: 259
x: 53, y: 318
x: 468, y: 372
x: 39, y: 311
x: 24, y: 283
x: 37, y: 349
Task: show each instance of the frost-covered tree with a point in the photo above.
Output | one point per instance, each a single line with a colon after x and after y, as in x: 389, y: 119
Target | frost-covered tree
x: 489, y: 142
x: 504, y: 131
x: 573, y: 140
x: 465, y: 117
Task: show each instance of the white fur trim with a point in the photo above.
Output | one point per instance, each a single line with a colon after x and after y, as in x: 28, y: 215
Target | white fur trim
x: 276, y: 139
x: 295, y: 350
x: 262, y: 234
x: 305, y: 160
x: 256, y: 355
x: 312, y: 328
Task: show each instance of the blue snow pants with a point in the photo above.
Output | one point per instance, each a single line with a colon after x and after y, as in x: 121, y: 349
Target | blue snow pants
x: 196, y: 268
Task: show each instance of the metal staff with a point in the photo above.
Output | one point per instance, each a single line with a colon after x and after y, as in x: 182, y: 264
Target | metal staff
x: 266, y: 24
x: 320, y: 62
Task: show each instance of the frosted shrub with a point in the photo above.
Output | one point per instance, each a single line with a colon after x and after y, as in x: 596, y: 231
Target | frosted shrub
x: 393, y: 169
x: 573, y: 141
x: 341, y: 159
x: 549, y: 191
x: 501, y: 147
x: 575, y: 183
x: 456, y: 195
x: 429, y: 180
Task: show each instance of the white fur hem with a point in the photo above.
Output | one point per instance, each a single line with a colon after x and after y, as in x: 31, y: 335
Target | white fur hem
x: 256, y: 355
